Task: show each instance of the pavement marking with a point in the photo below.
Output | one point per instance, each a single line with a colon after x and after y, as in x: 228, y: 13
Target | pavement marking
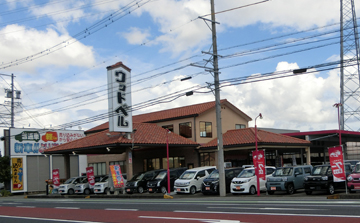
x: 25, y: 206
x: 67, y: 207
x: 117, y: 209
x: 193, y: 219
x: 283, y: 214
x: 48, y: 219
x: 290, y: 209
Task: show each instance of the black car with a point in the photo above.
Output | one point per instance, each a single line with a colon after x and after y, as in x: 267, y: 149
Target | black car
x: 211, y: 183
x: 322, y: 179
x: 160, y: 182
x: 138, y: 183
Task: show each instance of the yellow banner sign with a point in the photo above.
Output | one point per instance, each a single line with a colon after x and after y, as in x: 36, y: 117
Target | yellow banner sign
x: 17, y: 171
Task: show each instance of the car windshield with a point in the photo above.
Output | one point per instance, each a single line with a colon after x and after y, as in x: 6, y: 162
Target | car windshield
x: 357, y: 168
x: 287, y: 171
x: 68, y: 181
x: 84, y: 180
x: 320, y: 170
x: 187, y: 175
x: 105, y: 179
x: 246, y: 173
x: 137, y: 177
x: 161, y: 175
x: 214, y: 175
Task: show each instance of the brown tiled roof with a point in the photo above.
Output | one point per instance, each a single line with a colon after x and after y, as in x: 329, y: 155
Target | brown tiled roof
x: 239, y: 137
x: 146, y: 134
x: 174, y: 113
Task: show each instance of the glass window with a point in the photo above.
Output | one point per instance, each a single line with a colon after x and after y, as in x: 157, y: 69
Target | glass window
x: 205, y: 129
x: 185, y: 129
x: 207, y: 159
x: 168, y: 127
x: 200, y: 174
x: 99, y: 168
x: 307, y: 170
x: 240, y: 126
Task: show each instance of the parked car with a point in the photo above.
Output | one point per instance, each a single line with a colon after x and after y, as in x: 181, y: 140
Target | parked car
x: 103, y: 187
x: 322, y: 179
x: 354, y: 179
x: 246, y: 181
x: 191, y: 180
x: 289, y: 179
x: 160, y: 182
x: 84, y: 186
x: 68, y: 187
x: 352, y: 162
x: 138, y: 183
x: 211, y: 183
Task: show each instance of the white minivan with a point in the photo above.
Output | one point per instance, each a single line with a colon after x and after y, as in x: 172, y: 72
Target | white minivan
x: 191, y: 180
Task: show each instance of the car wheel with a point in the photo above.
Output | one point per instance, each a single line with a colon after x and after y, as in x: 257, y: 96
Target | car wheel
x: 290, y: 189
x: 87, y: 191
x: 270, y: 192
x: 71, y: 192
x: 252, y: 190
x: 331, y: 189
x: 140, y: 190
x: 192, y: 190
x: 309, y: 192
x: 107, y: 190
x: 163, y: 190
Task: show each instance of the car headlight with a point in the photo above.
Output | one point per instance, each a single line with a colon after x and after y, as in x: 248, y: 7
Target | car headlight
x: 325, y: 178
x: 306, y: 178
x: 135, y: 184
x: 350, y: 178
x: 215, y: 182
x: 187, y: 183
x: 284, y: 178
x: 158, y: 184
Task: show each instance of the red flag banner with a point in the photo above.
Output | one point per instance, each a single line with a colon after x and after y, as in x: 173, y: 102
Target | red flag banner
x: 337, y: 163
x: 90, y: 176
x: 117, y: 176
x: 56, y: 177
x: 259, y: 158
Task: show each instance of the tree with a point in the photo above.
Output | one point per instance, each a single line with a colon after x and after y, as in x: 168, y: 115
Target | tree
x: 5, y: 170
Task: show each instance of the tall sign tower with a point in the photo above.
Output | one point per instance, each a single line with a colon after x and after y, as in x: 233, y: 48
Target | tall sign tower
x: 350, y: 68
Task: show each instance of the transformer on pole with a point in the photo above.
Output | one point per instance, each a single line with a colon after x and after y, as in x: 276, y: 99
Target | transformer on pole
x: 350, y: 68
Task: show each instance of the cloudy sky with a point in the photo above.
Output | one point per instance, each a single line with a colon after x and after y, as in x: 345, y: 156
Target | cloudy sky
x: 59, y: 51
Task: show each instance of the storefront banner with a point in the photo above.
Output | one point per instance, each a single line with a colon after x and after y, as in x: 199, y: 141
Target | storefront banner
x: 337, y: 163
x: 35, y: 141
x: 18, y: 180
x: 116, y: 176
x: 56, y: 177
x: 259, y: 161
x: 90, y: 176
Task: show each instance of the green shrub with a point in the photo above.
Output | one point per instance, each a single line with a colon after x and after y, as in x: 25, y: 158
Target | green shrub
x: 5, y: 193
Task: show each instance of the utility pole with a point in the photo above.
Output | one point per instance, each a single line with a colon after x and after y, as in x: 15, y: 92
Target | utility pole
x: 221, y: 168
x: 12, y: 101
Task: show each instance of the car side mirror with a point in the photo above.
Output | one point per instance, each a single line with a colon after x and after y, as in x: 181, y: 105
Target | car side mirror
x: 198, y: 177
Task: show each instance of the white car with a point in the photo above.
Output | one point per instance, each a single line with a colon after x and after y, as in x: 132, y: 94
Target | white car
x: 84, y: 186
x: 191, y: 180
x: 103, y: 187
x: 246, y: 181
x: 68, y: 187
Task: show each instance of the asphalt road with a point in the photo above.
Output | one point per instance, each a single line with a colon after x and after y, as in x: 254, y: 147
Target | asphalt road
x: 183, y: 208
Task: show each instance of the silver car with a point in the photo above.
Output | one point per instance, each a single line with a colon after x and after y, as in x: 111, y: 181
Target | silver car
x: 68, y: 187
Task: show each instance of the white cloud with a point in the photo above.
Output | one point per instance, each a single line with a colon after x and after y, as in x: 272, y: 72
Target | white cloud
x: 136, y: 36
x: 16, y: 45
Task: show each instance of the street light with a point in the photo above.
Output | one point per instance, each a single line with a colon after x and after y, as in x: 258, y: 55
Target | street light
x: 257, y: 163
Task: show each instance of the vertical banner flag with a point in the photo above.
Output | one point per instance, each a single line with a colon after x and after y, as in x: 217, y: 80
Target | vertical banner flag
x: 116, y: 176
x: 337, y: 163
x: 259, y: 158
x: 56, y: 177
x: 90, y: 176
x: 17, y: 174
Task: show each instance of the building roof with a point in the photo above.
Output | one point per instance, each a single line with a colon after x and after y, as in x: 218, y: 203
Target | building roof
x: 145, y: 135
x: 175, y: 113
x: 246, y: 137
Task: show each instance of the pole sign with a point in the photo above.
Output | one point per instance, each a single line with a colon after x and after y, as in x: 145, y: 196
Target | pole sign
x: 119, y: 98
x: 56, y: 177
x: 90, y: 176
x: 337, y: 163
x: 259, y: 160
x: 116, y: 176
